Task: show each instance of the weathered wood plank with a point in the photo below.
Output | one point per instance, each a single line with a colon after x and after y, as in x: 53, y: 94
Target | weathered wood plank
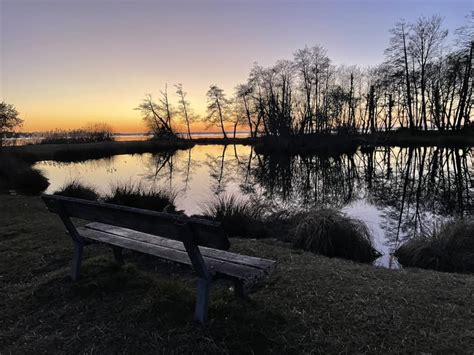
x: 219, y: 267
x: 263, y: 264
x: 208, y: 233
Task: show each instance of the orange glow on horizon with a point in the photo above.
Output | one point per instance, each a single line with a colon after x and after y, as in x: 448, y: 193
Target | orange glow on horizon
x: 119, y: 124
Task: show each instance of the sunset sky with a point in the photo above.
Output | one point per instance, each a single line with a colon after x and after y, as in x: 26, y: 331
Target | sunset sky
x: 65, y: 63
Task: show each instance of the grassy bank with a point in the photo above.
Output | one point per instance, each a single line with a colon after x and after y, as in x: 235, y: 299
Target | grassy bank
x: 85, y: 151
x: 19, y: 175
x: 308, y: 143
x: 310, y: 304
x: 348, y: 143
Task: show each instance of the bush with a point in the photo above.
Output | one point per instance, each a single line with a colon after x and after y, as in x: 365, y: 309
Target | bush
x: 331, y: 233
x: 78, y: 190
x: 449, y: 248
x: 134, y: 195
x: 239, y: 218
x: 16, y: 174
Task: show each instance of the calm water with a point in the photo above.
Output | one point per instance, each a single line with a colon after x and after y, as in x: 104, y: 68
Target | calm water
x: 398, y: 192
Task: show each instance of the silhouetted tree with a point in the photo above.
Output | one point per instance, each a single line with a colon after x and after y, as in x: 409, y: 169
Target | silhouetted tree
x: 184, y: 108
x: 426, y: 39
x: 246, y: 108
x: 397, y: 54
x: 158, y: 116
x: 9, y: 119
x: 217, y: 106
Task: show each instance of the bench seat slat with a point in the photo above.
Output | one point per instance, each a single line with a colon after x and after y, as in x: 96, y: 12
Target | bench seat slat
x: 208, y: 233
x: 263, y: 264
x: 220, y: 267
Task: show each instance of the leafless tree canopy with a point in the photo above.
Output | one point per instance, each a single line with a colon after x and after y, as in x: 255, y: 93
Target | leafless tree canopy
x: 158, y: 115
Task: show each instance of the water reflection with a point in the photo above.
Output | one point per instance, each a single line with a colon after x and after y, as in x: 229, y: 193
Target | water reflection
x: 398, y: 191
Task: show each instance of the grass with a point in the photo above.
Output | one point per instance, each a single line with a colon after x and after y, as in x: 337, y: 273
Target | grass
x: 18, y: 175
x: 449, y: 248
x: 331, y: 233
x: 78, y: 190
x: 135, y: 195
x: 322, y: 231
x: 88, y: 151
x: 126, y: 194
x: 311, y: 304
x: 239, y: 218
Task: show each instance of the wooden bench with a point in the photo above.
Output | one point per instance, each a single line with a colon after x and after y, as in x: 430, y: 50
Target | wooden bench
x: 198, y: 243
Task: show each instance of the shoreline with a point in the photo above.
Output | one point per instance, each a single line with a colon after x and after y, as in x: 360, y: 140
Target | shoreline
x: 300, y: 144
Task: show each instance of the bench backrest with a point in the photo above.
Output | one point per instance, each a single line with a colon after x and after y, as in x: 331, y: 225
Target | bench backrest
x: 166, y: 225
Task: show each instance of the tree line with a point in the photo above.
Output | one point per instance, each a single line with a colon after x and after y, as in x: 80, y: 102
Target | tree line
x: 423, y: 84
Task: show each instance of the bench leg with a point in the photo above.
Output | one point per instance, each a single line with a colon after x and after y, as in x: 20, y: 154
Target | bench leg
x: 240, y: 290
x: 202, y: 300
x: 118, y: 254
x: 77, y: 260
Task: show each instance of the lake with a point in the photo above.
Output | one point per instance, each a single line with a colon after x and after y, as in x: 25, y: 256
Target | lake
x: 397, y: 192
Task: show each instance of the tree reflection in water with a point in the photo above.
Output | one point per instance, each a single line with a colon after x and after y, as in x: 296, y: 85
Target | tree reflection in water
x: 411, y: 188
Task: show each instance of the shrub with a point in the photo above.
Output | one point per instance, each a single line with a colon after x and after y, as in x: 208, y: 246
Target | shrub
x: 449, y: 248
x: 239, y: 218
x: 134, y: 195
x: 78, y: 190
x: 16, y: 174
x: 331, y: 233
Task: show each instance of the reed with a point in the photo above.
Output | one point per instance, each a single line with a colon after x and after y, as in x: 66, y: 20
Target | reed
x: 448, y: 248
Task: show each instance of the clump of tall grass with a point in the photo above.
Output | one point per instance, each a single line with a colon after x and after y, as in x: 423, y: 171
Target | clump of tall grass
x: 95, y: 132
x: 77, y: 189
x: 239, y: 218
x: 17, y: 174
x: 331, y: 233
x: 448, y: 248
x: 135, y: 195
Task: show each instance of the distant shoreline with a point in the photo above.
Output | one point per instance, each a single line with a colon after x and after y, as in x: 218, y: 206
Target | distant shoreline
x: 308, y: 143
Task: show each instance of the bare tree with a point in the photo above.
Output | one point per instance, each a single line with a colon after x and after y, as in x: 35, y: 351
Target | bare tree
x: 244, y: 107
x: 397, y: 54
x: 184, y: 108
x: 158, y: 116
x: 217, y: 106
x: 310, y: 64
x: 466, y: 44
x: 426, y: 39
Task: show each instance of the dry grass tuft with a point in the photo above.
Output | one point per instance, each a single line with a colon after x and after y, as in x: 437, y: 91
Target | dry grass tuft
x: 329, y: 232
x: 449, y: 248
x: 135, y: 195
x: 78, y: 190
x: 238, y: 217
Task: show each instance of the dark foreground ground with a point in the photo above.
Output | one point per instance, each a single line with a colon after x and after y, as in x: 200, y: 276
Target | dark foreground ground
x: 311, y: 303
